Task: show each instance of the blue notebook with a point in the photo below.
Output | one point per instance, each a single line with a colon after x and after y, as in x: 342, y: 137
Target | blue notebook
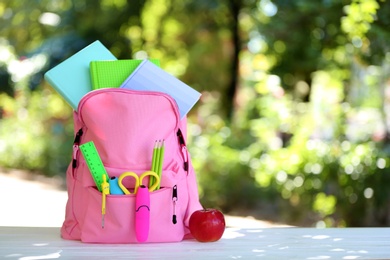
x: 147, y: 76
x: 71, y: 78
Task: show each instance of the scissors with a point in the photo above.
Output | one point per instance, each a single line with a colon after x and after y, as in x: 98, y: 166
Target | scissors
x: 138, y: 181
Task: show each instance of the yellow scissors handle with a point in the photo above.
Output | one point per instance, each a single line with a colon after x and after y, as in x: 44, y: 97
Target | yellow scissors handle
x: 138, y: 181
x: 150, y: 173
x: 124, y: 175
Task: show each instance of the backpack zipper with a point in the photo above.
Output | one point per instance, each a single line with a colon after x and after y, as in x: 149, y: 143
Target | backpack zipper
x: 76, y: 144
x: 183, y: 149
x: 174, y: 200
x: 127, y: 91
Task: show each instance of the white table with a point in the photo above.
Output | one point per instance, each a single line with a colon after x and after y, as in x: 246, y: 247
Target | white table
x: 28, y: 243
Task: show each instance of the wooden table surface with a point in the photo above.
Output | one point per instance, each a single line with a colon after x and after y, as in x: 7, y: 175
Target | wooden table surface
x: 27, y: 243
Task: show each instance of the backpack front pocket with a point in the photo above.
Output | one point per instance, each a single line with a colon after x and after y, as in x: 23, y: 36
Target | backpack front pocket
x: 166, y: 217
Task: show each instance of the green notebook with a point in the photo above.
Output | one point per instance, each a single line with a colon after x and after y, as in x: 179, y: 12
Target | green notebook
x: 112, y: 73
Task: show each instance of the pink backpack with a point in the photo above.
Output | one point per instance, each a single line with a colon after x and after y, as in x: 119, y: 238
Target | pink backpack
x: 124, y: 124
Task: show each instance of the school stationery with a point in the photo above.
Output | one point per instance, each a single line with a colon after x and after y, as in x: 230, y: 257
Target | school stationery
x: 114, y: 186
x: 160, y: 162
x: 142, y: 201
x: 123, y: 134
x: 105, y: 192
x: 112, y: 73
x: 157, y: 161
x: 71, y: 78
x: 94, y: 163
x: 142, y: 213
x: 148, y: 76
x: 138, y: 181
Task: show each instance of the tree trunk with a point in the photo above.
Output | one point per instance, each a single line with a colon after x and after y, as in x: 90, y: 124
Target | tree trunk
x: 228, y: 98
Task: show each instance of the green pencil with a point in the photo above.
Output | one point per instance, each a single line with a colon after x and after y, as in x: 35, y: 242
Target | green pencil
x: 154, y: 164
x: 160, y: 162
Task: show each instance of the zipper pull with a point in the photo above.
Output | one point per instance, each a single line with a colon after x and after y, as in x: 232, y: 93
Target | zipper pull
x: 183, y: 148
x: 174, y: 199
x: 181, y: 137
x: 76, y: 144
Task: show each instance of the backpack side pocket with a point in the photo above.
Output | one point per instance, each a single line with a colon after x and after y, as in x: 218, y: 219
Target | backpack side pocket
x: 70, y: 229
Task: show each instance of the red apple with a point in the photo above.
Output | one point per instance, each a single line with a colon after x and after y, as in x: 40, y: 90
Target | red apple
x: 207, y: 225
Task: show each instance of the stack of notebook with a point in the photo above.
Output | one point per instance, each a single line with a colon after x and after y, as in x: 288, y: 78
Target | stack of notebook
x: 95, y: 67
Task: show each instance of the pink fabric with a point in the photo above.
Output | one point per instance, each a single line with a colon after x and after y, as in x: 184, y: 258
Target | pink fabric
x: 124, y: 125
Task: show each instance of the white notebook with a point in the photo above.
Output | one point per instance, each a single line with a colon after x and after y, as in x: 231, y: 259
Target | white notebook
x: 147, y: 76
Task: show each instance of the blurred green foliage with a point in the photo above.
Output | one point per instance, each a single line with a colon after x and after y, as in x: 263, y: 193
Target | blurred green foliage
x: 293, y: 123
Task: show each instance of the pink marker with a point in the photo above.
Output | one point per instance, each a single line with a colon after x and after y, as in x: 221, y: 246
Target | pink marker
x: 142, y: 213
